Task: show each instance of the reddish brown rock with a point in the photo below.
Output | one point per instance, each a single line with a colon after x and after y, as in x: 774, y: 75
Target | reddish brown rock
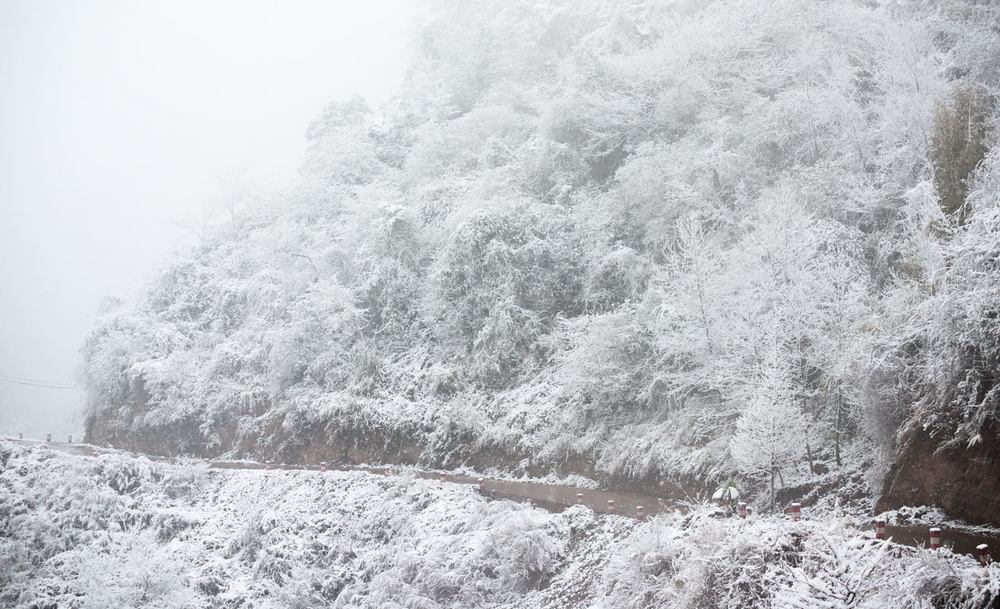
x: 964, y: 482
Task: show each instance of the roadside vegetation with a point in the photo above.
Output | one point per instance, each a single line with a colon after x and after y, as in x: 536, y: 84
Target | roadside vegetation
x: 116, y: 531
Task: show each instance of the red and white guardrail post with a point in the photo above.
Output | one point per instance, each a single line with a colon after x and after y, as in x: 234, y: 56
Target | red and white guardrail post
x: 640, y: 512
x: 611, y: 506
x: 935, y: 538
x: 796, y: 511
x: 880, y: 529
x: 579, y: 498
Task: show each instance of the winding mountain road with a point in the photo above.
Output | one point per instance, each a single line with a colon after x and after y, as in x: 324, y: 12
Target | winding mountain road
x: 553, y: 497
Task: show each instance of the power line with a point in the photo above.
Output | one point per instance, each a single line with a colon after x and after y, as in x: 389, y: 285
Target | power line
x: 35, y: 382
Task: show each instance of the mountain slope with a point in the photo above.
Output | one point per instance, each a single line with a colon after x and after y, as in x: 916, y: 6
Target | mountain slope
x: 594, y: 237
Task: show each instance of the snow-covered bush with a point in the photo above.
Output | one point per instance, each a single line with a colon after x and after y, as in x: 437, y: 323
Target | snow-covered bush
x: 349, y: 539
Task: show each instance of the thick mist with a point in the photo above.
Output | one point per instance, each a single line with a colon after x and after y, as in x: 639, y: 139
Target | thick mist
x: 121, y: 123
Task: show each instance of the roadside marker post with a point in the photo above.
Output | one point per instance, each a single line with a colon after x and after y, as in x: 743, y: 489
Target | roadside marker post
x: 741, y: 509
x: 579, y: 498
x: 48, y: 437
x: 611, y: 506
x: 268, y: 464
x: 935, y: 537
x: 640, y: 512
x: 983, y: 554
x: 880, y: 529
x: 796, y: 512
x: 322, y: 465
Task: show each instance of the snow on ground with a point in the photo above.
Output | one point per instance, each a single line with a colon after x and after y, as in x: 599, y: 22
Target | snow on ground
x: 931, y: 516
x: 116, y: 531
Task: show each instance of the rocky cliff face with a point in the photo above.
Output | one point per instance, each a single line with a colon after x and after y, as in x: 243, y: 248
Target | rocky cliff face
x: 964, y: 482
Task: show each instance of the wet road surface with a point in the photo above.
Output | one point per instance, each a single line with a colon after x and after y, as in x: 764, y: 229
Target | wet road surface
x: 959, y: 541
x: 554, y: 497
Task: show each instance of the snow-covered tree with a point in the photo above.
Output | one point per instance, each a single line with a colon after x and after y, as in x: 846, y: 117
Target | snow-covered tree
x: 771, y: 431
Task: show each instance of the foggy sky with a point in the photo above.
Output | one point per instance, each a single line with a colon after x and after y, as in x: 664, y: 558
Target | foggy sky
x: 119, y: 119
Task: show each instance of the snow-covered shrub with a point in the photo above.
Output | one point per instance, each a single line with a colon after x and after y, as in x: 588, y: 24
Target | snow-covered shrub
x: 347, y: 539
x: 136, y: 571
x: 837, y: 573
x: 522, y: 551
x: 126, y: 475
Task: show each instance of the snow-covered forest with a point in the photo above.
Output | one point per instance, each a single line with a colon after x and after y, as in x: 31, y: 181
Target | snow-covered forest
x: 115, y: 531
x: 637, y: 241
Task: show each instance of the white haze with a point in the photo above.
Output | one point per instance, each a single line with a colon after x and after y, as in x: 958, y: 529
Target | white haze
x: 118, y: 122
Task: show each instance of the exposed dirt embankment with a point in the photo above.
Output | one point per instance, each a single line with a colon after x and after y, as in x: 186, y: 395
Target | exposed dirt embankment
x: 965, y: 482
x: 337, y: 441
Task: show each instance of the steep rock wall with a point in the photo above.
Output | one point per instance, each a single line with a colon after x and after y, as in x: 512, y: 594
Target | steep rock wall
x: 964, y: 482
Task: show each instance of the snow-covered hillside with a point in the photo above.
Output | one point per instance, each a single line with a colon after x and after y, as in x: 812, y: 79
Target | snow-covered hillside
x: 637, y: 240
x: 113, y: 531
